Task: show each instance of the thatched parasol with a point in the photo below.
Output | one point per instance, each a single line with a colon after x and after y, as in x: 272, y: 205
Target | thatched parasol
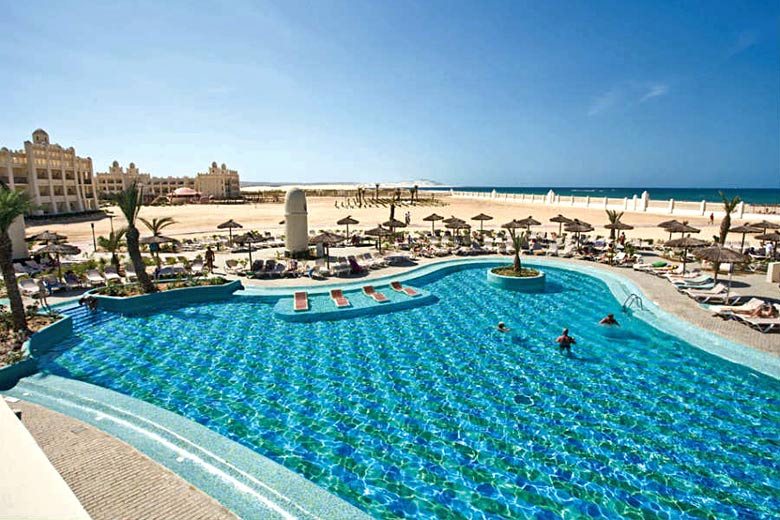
x: 744, y: 230
x: 764, y: 225
x: 326, y: 239
x: 432, y: 218
x: 771, y: 237
x: 528, y: 222
x: 561, y: 220
x: 157, y: 239
x: 686, y: 243
x: 59, y: 249
x: 347, y: 221
x: 666, y: 224
x: 722, y: 255
x: 230, y: 225
x: 378, y: 232
x: 681, y: 227
x: 394, y: 223
x: 47, y: 236
x: 578, y: 227
x: 482, y: 218
x: 249, y: 238
x: 457, y: 225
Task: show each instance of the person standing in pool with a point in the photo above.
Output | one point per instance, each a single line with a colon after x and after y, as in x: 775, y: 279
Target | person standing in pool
x: 609, y: 320
x: 565, y: 341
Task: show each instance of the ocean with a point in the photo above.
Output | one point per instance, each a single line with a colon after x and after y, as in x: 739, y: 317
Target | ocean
x: 749, y: 195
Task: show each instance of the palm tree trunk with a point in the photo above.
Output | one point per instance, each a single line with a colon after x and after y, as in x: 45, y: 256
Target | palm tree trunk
x: 9, y: 276
x: 138, y: 263
x: 725, y: 225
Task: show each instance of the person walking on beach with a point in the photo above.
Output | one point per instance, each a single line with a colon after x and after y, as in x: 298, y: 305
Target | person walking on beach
x: 565, y: 341
x: 209, y: 259
x: 712, y: 218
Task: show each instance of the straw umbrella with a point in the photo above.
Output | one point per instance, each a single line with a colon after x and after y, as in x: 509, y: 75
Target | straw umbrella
x: 771, y: 237
x: 561, y: 220
x: 59, y: 249
x: 764, y: 225
x: 457, y: 225
x: 326, y: 239
x: 682, y: 227
x: 378, y: 232
x: 719, y: 255
x: 249, y: 239
x: 482, y: 218
x: 686, y: 243
x: 744, y: 230
x: 346, y: 221
x: 230, y: 225
x: 47, y: 236
x: 528, y: 222
x: 432, y: 218
x: 157, y: 239
x: 578, y: 227
x: 394, y: 223
x: 667, y: 224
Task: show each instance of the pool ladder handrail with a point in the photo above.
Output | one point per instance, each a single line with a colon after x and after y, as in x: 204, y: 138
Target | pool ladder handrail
x: 632, y: 299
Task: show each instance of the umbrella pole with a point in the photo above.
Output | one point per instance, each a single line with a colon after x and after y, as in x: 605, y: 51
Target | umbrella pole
x: 742, y: 245
x: 230, y: 232
x: 250, y: 255
x: 433, y: 230
x: 59, y: 266
x: 685, y: 258
x: 327, y: 254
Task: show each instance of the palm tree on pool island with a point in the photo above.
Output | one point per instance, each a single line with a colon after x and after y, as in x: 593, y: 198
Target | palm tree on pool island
x: 130, y: 202
x: 13, y: 204
x: 112, y: 244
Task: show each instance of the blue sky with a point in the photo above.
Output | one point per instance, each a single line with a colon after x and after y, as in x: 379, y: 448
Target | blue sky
x: 511, y: 93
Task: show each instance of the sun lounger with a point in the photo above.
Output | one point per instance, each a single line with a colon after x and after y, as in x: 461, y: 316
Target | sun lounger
x: 52, y: 284
x: 130, y: 273
x: 700, y: 279
x: 301, y: 301
x: 369, y: 290
x: 338, y: 298
x: 111, y: 275
x: 29, y: 287
x: 714, y: 295
x: 197, y: 267
x: 95, y: 278
x: 396, y: 286
x: 727, y: 311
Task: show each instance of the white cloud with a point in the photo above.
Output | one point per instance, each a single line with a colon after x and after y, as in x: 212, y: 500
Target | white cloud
x: 626, y: 95
x: 653, y: 91
x: 745, y: 40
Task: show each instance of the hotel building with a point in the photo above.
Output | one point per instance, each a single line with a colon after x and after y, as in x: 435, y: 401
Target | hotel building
x: 57, y: 180
x: 218, y: 182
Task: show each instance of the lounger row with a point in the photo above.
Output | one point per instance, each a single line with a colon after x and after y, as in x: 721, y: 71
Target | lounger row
x: 301, y: 298
x: 762, y: 315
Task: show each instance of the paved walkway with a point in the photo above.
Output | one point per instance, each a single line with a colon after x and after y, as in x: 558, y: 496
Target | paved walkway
x: 112, y: 480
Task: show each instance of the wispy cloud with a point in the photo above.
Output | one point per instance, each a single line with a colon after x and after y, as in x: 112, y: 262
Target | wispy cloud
x: 745, y: 40
x: 625, y: 95
x: 654, y: 91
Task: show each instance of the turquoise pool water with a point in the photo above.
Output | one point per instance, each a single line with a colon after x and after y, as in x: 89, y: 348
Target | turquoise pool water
x: 432, y: 413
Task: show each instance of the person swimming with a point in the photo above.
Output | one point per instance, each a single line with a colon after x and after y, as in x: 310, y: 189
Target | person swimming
x: 565, y: 341
x: 502, y: 327
x: 609, y: 320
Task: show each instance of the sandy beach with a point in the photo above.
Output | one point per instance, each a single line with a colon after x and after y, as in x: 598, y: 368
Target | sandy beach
x: 198, y: 220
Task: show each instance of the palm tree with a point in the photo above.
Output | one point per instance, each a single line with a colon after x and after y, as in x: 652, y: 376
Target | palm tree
x: 13, y: 204
x: 729, y: 205
x: 614, y: 217
x: 157, y: 224
x: 112, y: 244
x: 129, y: 201
x: 517, y: 243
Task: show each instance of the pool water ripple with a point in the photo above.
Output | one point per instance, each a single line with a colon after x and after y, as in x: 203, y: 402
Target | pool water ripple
x: 432, y: 413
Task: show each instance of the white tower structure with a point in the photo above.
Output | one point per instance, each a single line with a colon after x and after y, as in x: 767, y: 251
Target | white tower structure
x: 296, y: 220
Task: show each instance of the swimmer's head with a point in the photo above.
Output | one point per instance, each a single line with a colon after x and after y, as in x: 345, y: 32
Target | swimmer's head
x: 610, y: 315
x: 565, y: 331
x: 501, y: 324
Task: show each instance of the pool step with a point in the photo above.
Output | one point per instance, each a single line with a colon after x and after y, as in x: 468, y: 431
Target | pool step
x: 83, y: 317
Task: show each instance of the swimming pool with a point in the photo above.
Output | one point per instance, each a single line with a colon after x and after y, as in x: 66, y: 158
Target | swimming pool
x: 432, y: 413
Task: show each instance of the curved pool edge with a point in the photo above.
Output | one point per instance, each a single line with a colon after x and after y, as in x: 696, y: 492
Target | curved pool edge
x: 620, y: 287
x: 245, y: 482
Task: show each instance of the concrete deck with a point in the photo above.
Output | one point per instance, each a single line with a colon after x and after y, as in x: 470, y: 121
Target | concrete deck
x: 112, y: 480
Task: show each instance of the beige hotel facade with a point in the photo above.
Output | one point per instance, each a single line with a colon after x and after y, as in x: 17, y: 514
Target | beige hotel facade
x: 57, y: 180
x: 218, y: 182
